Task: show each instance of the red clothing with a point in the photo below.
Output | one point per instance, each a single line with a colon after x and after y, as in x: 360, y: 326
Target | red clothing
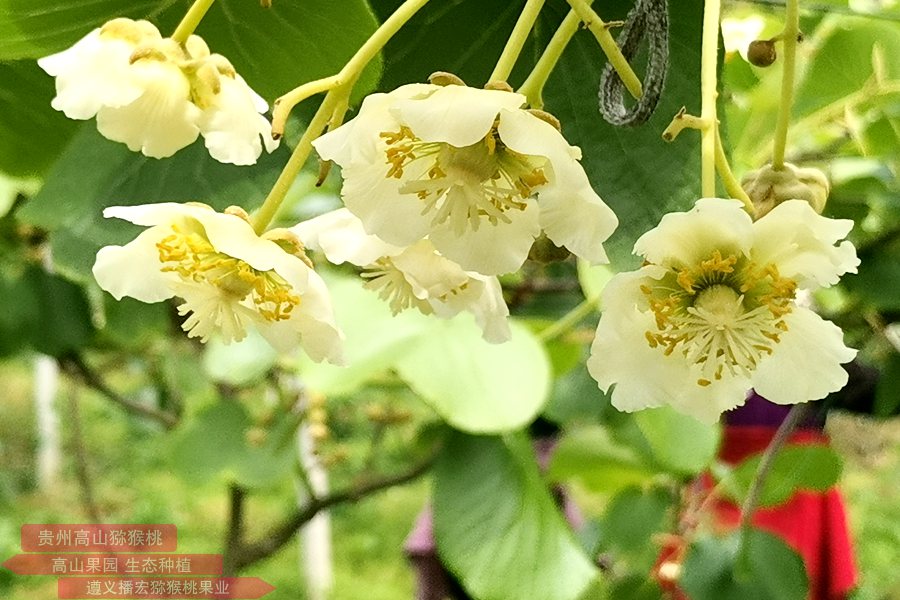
x: 813, y: 524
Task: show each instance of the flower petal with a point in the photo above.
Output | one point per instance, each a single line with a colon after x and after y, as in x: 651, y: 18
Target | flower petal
x: 134, y: 269
x: 686, y: 238
x: 232, y: 127
x: 162, y: 120
x: 455, y: 114
x: 492, y: 249
x: 801, y: 243
x: 341, y: 236
x: 806, y: 364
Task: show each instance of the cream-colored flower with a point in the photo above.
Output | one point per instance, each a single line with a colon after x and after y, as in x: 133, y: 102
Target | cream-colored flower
x: 712, y: 312
x: 413, y: 277
x: 156, y: 96
x: 228, y: 277
x: 469, y: 169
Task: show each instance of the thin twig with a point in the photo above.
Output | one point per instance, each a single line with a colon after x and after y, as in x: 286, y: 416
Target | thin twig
x: 74, y: 364
x: 234, y: 537
x: 80, y: 455
x: 282, y: 533
x: 784, y: 431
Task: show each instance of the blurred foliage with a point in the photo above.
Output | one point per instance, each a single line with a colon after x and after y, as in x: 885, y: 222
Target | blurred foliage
x: 494, y: 508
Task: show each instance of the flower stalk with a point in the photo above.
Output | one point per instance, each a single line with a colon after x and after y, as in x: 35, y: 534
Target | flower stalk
x: 533, y: 86
x: 516, y: 41
x: 708, y: 90
x: 332, y: 110
x: 791, y: 32
x: 600, y: 29
x: 190, y: 21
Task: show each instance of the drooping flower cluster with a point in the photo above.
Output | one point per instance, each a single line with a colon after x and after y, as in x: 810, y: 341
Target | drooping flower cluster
x: 413, y: 277
x: 157, y: 96
x: 469, y: 169
x: 712, y: 312
x: 227, y: 276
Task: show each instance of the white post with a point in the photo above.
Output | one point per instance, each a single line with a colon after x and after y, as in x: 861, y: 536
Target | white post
x: 46, y: 384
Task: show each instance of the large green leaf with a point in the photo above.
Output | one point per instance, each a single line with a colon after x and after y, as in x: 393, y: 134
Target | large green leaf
x: 43, y: 311
x: 810, y: 467
x: 631, y: 520
x: 476, y: 386
x: 771, y: 571
x: 633, y: 169
x: 31, y: 134
x: 275, y: 49
x: 497, y: 527
x: 94, y: 173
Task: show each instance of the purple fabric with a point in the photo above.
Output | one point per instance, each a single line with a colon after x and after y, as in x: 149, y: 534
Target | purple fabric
x: 759, y: 411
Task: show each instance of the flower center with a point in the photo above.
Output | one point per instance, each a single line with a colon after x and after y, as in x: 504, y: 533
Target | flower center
x: 195, y: 260
x: 463, y: 185
x: 392, y: 287
x: 723, y: 314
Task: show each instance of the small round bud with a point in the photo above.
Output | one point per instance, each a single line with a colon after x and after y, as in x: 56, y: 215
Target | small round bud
x: 318, y: 431
x: 256, y: 436
x: 761, y: 53
x: 317, y: 415
x: 376, y: 412
x: 768, y: 187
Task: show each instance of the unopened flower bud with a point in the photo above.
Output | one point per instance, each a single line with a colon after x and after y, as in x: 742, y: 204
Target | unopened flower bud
x: 761, y: 53
x: 768, y: 187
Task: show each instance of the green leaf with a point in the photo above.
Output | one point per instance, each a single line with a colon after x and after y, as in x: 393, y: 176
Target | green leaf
x: 575, y: 397
x: 94, y: 173
x: 878, y: 281
x: 497, y: 527
x: 632, y: 517
x: 591, y: 457
x: 32, y: 134
x: 214, y: 445
x: 43, y: 311
x: 771, y: 571
x: 841, y: 63
x: 65, y: 316
x: 679, y: 443
x: 132, y: 324
x: 476, y: 386
x: 887, y: 400
x: 274, y: 49
x: 239, y: 363
x: 807, y: 467
x: 375, y: 339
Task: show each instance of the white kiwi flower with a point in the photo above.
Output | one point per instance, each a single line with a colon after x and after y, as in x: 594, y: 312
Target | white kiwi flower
x: 470, y: 170
x: 228, y: 277
x: 712, y: 313
x: 416, y: 276
x: 157, y: 96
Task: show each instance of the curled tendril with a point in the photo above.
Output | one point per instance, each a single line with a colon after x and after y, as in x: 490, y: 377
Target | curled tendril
x: 650, y: 19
